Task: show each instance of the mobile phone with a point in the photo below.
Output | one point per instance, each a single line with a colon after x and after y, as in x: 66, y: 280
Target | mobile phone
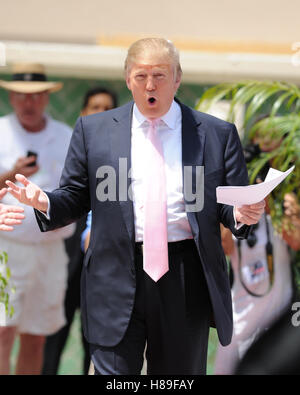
x: 31, y: 153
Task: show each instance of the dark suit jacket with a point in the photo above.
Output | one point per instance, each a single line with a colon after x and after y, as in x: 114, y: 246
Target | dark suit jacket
x: 108, y: 278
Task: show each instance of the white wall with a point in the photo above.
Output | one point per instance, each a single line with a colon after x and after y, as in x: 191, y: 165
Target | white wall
x: 219, y: 40
x: 85, y: 21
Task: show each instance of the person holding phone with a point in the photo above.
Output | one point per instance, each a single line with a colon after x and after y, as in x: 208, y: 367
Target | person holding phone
x: 35, y: 144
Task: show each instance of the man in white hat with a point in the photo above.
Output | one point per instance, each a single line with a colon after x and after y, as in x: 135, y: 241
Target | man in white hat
x: 34, y: 144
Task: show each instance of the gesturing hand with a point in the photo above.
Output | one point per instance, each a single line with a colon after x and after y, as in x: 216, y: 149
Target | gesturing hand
x: 250, y: 214
x: 9, y: 215
x: 30, y: 194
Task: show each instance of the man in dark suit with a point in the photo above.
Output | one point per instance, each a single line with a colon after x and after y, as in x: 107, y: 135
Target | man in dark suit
x: 124, y: 308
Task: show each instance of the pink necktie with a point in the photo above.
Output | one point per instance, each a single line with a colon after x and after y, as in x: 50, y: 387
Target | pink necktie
x: 155, y: 253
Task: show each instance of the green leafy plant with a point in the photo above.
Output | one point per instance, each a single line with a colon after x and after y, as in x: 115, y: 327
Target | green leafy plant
x: 281, y: 102
x: 5, y: 276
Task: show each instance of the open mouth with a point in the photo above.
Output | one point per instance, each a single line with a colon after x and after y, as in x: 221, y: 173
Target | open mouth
x: 151, y: 100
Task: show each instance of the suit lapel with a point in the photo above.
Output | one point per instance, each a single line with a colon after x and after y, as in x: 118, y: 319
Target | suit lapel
x: 193, y: 141
x: 121, y: 149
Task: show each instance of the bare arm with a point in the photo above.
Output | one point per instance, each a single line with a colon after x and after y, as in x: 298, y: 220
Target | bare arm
x: 21, y: 167
x: 227, y: 240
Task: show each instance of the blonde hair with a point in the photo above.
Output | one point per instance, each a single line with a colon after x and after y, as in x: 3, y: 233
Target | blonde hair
x: 161, y: 45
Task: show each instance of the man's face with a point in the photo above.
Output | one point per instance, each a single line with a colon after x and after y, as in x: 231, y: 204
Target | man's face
x: 152, y: 83
x: 98, y: 103
x: 29, y: 108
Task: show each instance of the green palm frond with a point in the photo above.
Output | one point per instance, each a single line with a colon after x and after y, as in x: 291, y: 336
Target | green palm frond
x: 254, y: 94
x: 282, y: 124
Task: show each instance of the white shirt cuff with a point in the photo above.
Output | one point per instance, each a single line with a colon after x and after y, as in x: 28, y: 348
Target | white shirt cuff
x: 237, y: 225
x: 47, y: 214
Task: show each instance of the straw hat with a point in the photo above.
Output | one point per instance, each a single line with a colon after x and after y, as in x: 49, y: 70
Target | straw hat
x: 30, y: 78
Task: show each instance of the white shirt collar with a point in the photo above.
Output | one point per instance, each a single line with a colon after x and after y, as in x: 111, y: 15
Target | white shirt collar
x: 170, y: 118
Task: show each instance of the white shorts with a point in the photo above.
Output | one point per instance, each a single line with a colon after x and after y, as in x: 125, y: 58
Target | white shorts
x: 39, y: 276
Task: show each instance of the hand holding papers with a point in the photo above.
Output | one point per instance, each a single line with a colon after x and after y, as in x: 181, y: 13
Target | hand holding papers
x: 251, y: 194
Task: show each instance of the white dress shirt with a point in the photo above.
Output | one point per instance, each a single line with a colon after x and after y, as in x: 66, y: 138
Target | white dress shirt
x: 169, y: 131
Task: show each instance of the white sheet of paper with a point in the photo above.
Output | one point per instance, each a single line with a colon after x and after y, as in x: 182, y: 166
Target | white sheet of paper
x: 250, y: 194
